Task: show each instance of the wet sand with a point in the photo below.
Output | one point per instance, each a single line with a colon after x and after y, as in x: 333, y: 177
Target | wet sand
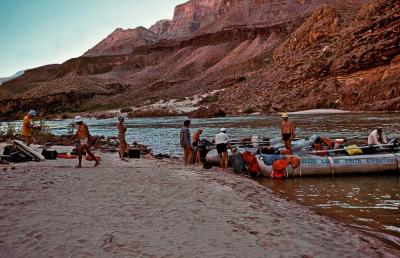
x: 159, y: 208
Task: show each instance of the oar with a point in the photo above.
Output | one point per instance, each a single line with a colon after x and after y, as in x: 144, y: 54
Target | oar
x: 354, y: 148
x: 249, y: 142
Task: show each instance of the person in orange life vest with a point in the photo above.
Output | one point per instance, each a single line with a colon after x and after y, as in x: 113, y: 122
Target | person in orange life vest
x: 195, y: 143
x: 27, y: 126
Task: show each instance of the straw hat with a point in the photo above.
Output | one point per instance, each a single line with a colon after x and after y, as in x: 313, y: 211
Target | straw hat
x: 285, y: 115
x: 32, y: 112
x: 78, y: 119
x: 121, y: 117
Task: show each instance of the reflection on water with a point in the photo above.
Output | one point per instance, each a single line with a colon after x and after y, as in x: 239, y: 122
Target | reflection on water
x: 370, y: 203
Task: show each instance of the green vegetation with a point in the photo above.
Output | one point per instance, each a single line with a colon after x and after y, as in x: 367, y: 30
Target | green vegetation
x: 152, y: 113
x: 211, y: 98
x: 41, y: 133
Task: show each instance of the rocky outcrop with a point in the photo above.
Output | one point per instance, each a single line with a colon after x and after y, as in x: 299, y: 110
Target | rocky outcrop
x: 200, y: 16
x: 123, y: 41
x: 161, y: 27
x: 49, y: 104
x: 318, y: 56
x: 207, y: 112
x: 332, y: 61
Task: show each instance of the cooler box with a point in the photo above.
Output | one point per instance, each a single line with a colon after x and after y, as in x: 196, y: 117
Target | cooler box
x: 134, y: 153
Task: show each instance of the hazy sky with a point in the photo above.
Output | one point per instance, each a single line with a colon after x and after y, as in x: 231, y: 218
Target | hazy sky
x: 40, y: 32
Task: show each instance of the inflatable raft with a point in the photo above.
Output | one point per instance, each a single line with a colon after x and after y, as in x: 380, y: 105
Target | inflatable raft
x: 313, y: 165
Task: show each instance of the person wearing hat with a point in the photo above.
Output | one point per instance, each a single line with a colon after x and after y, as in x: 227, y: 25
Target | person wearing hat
x: 196, y: 141
x: 186, y: 143
x: 377, y: 137
x: 84, y: 138
x: 27, y: 126
x: 287, y: 131
x: 222, y: 142
x: 121, y: 137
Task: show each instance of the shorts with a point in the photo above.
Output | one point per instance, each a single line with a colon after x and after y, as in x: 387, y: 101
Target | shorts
x: 286, y: 136
x: 221, y: 148
x: 84, y: 141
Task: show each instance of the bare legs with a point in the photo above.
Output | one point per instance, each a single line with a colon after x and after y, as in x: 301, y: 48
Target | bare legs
x: 89, y: 152
x: 122, y: 148
x: 223, y: 159
x: 187, y: 155
x: 28, y: 140
x: 288, y: 145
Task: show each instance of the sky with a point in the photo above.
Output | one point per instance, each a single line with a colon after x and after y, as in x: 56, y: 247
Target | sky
x: 40, y: 32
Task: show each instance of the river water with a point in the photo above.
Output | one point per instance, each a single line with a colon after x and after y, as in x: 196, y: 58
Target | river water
x: 370, y: 203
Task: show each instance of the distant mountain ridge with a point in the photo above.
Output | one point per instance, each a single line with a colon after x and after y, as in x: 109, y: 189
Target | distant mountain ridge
x: 262, y: 55
x: 205, y: 16
x: 6, y: 79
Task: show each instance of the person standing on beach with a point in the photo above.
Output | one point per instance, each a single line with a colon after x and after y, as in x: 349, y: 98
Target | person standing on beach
x: 27, y: 126
x: 196, y: 141
x: 222, y: 142
x: 186, y: 143
x: 287, y: 131
x: 84, y: 138
x: 121, y: 137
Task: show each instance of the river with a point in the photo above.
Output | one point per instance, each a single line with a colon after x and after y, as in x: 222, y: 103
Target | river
x: 369, y: 203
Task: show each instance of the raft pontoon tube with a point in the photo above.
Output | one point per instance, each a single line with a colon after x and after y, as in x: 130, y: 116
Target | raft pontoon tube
x: 312, y: 165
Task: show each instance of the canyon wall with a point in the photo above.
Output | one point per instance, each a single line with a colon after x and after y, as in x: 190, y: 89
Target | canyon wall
x: 267, y: 55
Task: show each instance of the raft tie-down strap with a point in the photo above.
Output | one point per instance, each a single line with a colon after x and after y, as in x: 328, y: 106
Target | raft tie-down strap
x: 397, y: 156
x: 331, y: 164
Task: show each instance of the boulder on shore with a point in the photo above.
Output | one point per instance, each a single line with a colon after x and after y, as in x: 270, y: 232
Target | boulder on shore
x: 212, y: 111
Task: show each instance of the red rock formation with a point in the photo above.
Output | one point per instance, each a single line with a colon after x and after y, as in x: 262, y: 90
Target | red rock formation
x: 160, y: 27
x: 123, y: 41
x: 268, y: 59
x: 353, y: 66
x: 206, y: 112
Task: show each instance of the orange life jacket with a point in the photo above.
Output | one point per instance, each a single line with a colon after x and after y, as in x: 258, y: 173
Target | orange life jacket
x: 251, y: 162
x: 279, y: 167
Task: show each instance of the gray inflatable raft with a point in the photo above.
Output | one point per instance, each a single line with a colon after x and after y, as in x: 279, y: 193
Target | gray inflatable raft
x: 312, y: 165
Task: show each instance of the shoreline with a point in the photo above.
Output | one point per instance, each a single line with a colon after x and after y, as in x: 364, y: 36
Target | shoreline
x: 159, y: 207
x: 107, y: 114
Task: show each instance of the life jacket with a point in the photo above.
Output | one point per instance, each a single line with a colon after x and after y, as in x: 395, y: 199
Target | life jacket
x: 279, y: 167
x: 66, y: 156
x: 294, y: 161
x: 251, y: 162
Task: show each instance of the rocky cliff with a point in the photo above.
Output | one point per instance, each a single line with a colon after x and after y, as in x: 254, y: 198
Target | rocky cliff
x: 123, y: 41
x: 266, y: 55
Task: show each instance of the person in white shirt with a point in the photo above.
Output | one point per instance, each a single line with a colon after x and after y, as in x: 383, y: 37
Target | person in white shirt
x: 377, y: 137
x: 222, y: 142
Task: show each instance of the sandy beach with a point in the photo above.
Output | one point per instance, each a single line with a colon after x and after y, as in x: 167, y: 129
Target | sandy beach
x: 159, y: 208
